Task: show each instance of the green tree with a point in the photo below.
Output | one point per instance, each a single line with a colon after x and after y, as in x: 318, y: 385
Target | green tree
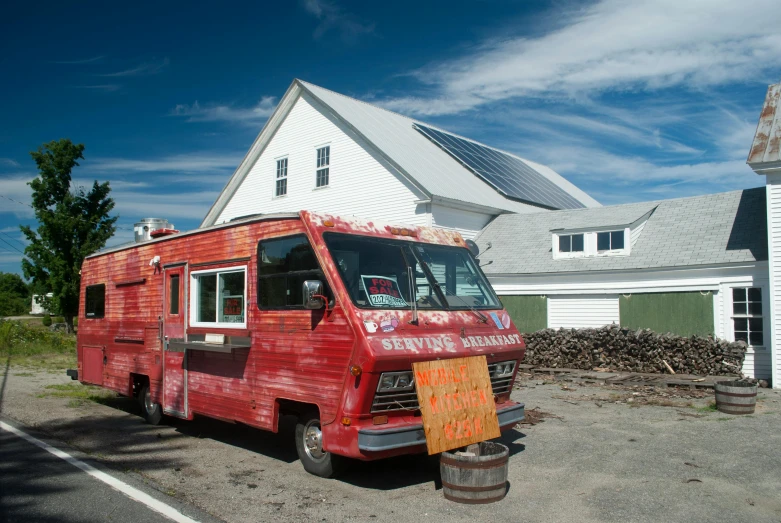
x: 72, y: 223
x: 14, y: 295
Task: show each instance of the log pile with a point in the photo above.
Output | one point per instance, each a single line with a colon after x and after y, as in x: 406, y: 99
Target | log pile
x: 624, y: 350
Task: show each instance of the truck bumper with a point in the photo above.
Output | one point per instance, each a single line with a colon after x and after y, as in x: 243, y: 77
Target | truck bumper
x: 381, y: 440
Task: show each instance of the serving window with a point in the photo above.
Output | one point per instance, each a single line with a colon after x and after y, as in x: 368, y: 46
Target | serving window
x: 95, y: 301
x: 219, y: 298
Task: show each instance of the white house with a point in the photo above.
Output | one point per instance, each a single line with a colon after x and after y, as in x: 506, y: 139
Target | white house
x: 556, y: 257
x: 688, y: 266
x: 324, y: 151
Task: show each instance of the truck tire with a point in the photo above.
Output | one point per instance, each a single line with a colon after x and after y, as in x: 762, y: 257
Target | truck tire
x: 152, y: 412
x: 309, y: 444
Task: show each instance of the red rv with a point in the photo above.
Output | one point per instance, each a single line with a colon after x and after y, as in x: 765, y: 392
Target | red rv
x: 305, y: 314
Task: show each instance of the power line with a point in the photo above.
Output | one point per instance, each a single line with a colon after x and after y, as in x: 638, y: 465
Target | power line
x: 14, y: 239
x: 12, y: 246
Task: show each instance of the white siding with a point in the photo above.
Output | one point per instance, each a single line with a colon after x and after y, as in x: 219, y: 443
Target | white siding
x: 582, y: 311
x: 466, y: 222
x: 774, y: 251
x: 361, y: 183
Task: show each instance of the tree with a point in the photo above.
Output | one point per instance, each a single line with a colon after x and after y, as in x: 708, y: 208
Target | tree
x: 14, y: 295
x: 72, y: 223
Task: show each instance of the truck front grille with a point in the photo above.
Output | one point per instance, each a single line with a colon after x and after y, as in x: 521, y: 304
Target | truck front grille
x: 408, y: 400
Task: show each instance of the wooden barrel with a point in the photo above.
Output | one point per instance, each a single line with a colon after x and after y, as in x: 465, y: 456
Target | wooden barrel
x: 477, y: 476
x: 736, y: 397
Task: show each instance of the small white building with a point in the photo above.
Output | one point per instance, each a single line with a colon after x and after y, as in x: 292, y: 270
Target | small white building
x: 37, y: 307
x: 327, y: 152
x: 765, y: 159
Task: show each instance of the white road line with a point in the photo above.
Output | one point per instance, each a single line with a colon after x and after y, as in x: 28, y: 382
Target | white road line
x: 131, y: 492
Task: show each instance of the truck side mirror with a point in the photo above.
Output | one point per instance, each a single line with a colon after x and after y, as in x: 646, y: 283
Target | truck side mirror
x: 473, y: 248
x: 313, y: 294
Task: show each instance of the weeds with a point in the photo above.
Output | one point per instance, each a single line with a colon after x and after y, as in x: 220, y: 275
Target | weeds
x: 28, y: 345
x: 710, y: 407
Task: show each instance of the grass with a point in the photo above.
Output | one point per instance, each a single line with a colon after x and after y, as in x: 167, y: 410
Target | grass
x: 77, y: 393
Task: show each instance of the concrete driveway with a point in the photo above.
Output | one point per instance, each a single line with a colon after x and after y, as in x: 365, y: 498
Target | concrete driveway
x: 597, y: 460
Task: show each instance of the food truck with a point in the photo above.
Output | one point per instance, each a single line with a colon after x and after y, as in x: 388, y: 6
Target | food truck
x: 301, y: 314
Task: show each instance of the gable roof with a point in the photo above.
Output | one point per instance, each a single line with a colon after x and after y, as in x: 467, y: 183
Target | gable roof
x: 714, y: 229
x: 765, y: 154
x: 433, y: 171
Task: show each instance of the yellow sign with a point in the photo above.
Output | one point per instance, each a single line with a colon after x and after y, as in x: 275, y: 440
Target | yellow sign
x: 456, y: 402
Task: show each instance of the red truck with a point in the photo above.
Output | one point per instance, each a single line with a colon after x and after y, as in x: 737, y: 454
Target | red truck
x: 306, y: 314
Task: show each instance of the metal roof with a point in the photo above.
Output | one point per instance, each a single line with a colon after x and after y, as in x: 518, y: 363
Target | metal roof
x: 765, y: 152
x: 702, y: 230
x: 434, y: 169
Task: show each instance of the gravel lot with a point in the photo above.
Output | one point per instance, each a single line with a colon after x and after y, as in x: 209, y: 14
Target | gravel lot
x: 600, y: 458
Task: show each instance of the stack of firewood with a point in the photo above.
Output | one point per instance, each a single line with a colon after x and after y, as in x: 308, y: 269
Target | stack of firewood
x: 625, y: 350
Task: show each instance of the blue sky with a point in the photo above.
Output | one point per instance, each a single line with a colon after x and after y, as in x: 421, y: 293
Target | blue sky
x: 630, y: 101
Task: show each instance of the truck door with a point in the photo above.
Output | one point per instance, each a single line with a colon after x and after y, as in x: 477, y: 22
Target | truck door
x: 174, y: 321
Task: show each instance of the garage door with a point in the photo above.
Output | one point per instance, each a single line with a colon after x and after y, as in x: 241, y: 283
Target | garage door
x: 580, y: 311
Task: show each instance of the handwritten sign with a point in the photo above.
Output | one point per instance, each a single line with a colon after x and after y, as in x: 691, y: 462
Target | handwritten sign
x: 383, y: 291
x: 456, y: 402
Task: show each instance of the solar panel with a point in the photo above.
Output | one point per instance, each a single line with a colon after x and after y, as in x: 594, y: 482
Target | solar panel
x: 509, y: 175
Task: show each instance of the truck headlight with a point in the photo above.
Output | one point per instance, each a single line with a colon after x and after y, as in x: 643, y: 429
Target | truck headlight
x: 504, y: 369
x: 395, y: 381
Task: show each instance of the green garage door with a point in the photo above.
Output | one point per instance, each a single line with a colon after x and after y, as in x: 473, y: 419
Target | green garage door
x: 681, y: 313
x: 529, y: 313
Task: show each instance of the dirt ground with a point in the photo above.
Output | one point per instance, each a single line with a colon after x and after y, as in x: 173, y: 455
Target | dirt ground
x: 588, y: 453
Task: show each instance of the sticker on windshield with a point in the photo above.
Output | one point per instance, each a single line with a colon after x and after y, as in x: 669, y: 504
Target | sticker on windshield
x: 383, y: 291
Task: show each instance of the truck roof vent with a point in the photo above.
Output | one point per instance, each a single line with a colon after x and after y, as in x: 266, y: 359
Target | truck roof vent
x: 143, y: 229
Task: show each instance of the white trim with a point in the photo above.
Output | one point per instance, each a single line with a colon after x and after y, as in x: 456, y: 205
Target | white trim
x: 120, y: 486
x: 194, y: 298
x: 646, y: 280
x: 590, y: 239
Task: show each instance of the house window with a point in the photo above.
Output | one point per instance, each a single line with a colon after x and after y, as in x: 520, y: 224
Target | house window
x: 571, y: 243
x: 323, y: 161
x: 283, y: 266
x: 219, y: 298
x: 95, y: 301
x: 747, y: 315
x: 173, y: 307
x: 281, y: 188
x: 610, y: 240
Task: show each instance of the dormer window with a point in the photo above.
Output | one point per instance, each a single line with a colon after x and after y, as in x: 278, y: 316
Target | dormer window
x: 610, y: 241
x: 580, y: 244
x: 571, y: 243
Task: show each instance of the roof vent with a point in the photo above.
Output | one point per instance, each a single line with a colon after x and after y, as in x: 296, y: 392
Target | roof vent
x: 143, y: 229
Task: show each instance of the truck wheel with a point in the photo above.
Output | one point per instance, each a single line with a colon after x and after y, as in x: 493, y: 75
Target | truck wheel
x: 152, y: 412
x: 309, y: 444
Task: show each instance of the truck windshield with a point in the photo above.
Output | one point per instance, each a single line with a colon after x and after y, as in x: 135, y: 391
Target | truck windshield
x: 389, y: 274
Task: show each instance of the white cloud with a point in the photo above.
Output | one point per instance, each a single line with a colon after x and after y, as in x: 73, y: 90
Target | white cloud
x: 333, y: 17
x: 146, y: 68
x: 8, y: 162
x: 227, y: 113
x: 611, y: 45
x: 181, y: 163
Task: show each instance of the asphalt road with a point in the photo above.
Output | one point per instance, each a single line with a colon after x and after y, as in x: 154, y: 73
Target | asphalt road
x: 37, y: 486
x: 602, y: 457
